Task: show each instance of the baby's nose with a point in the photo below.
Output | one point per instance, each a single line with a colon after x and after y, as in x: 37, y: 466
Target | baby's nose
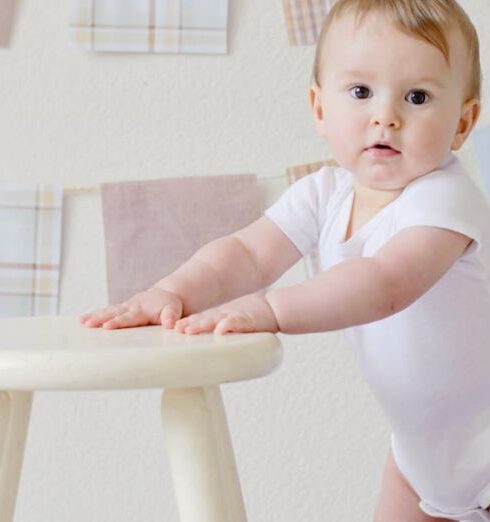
x: 392, y: 122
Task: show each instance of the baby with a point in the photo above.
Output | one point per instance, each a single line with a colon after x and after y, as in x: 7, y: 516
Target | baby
x: 404, y: 242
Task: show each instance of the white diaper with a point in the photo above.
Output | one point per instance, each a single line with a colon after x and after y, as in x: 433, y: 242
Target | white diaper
x: 471, y: 515
x: 476, y: 506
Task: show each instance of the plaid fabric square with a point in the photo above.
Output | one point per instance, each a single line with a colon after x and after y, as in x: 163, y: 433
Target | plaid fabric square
x: 304, y: 19
x: 30, y: 250
x: 150, y: 26
x: 312, y: 260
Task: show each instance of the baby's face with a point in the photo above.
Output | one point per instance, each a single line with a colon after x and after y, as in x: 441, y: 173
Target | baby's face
x: 379, y: 84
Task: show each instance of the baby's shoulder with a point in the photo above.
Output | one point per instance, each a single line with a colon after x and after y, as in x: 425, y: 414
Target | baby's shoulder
x: 447, y: 198
x: 329, y: 180
x: 447, y: 186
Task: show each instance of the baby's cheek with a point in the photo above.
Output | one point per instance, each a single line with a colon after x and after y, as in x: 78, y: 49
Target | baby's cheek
x: 339, y: 148
x: 429, y: 150
x: 433, y: 135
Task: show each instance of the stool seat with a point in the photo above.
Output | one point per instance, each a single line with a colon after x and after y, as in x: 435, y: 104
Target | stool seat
x: 58, y: 353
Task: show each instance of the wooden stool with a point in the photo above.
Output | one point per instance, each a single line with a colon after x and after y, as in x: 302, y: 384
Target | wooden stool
x: 58, y: 353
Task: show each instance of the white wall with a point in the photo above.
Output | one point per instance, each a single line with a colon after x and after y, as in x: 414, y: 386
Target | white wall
x: 310, y: 440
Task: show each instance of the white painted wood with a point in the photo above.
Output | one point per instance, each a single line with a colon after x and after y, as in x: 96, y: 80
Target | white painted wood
x: 201, y: 456
x: 56, y: 352
x: 15, y: 409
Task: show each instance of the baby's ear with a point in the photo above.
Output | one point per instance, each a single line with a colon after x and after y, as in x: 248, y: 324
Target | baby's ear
x: 469, y: 116
x: 314, y: 95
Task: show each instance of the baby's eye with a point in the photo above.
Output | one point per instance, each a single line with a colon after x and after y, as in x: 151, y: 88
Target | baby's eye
x: 417, y: 97
x: 360, y: 92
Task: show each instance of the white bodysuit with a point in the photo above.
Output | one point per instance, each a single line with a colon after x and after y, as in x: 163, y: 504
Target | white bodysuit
x: 428, y: 365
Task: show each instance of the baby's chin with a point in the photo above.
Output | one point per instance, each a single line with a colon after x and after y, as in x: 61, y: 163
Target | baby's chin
x: 382, y: 179
x: 397, y: 175
x: 385, y: 187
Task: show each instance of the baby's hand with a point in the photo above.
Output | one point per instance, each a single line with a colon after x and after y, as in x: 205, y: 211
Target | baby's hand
x: 153, y: 306
x: 250, y: 313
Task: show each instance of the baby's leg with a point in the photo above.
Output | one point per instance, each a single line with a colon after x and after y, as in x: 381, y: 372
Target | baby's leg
x: 398, y: 502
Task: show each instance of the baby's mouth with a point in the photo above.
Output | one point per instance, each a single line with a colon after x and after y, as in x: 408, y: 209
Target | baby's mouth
x: 382, y: 151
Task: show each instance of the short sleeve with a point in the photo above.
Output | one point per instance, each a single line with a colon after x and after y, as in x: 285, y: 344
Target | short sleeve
x: 298, y: 211
x: 446, y: 199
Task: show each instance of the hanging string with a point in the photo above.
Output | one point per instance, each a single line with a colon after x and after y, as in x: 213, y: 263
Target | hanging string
x: 94, y: 188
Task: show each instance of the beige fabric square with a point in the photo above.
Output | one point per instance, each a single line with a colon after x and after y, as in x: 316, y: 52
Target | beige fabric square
x: 7, y: 9
x: 152, y: 227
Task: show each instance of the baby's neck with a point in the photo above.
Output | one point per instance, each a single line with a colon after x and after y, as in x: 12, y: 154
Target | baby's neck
x: 372, y: 199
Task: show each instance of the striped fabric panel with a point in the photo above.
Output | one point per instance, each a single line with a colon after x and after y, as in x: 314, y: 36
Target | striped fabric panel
x: 312, y: 260
x: 150, y: 26
x: 299, y: 171
x: 304, y: 19
x: 7, y: 8
x: 30, y: 250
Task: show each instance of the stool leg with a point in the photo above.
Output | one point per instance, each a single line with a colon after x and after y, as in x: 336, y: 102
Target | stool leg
x: 15, y: 410
x: 201, y: 456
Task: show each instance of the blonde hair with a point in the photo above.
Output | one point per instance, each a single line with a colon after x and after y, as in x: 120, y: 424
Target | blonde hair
x: 428, y: 20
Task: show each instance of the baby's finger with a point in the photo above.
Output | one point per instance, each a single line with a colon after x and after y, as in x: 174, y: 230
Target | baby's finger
x: 98, y: 317
x: 169, y: 316
x: 233, y: 324
x: 83, y: 317
x: 213, y: 314
x: 127, y: 320
x: 206, y: 324
x: 88, y: 315
x: 181, y: 324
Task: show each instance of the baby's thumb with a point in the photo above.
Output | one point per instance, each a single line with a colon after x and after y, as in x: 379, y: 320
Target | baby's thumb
x: 169, y: 316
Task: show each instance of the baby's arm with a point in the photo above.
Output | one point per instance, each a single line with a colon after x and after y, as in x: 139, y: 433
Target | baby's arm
x: 228, y: 267
x: 238, y: 264
x: 354, y: 292
x: 367, y: 289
